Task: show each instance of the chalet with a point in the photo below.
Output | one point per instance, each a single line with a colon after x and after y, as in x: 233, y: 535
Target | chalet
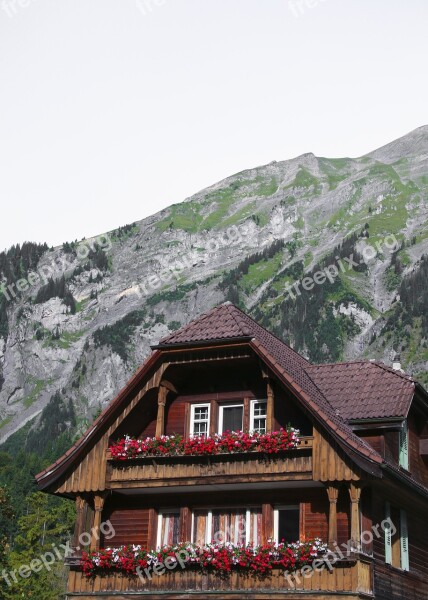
x: 231, y: 467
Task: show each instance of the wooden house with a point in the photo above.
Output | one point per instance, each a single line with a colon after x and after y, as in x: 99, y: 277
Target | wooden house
x: 355, y: 477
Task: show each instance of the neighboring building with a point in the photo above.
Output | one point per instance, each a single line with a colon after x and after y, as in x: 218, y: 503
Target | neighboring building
x: 358, y: 474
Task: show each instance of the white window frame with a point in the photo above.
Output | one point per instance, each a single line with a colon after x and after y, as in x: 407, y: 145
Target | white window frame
x: 192, y: 417
x: 161, y: 514
x: 404, y: 541
x: 404, y: 446
x: 208, y: 527
x: 220, y: 414
x: 388, y: 535
x: 276, y: 518
x: 252, y: 415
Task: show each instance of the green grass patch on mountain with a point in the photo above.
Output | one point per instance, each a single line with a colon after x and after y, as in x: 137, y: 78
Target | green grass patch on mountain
x: 305, y: 179
x: 261, y: 272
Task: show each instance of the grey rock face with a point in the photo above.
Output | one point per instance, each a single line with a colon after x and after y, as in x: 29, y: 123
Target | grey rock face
x: 168, y: 268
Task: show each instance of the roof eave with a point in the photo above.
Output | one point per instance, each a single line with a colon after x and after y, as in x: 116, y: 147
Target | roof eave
x: 202, y: 343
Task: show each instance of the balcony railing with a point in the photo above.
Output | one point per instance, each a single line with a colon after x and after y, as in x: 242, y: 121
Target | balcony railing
x: 156, y: 471
x: 353, y: 576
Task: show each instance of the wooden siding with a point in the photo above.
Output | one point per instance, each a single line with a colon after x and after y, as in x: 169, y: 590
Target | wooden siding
x: 391, y: 582
x: 330, y: 462
x: 191, y: 470
x: 350, y: 576
x: 175, y: 417
x: 131, y: 525
x: 89, y: 475
x: 418, y: 464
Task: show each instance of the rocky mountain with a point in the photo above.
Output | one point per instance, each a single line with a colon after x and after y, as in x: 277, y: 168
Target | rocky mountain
x: 329, y: 254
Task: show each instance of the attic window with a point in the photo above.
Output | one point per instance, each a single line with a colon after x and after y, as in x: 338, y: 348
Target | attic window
x: 231, y: 417
x: 200, y: 419
x: 404, y: 446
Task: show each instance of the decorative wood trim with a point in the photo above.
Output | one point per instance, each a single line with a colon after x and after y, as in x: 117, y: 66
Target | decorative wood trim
x: 99, y: 500
x: 246, y: 417
x: 333, y: 494
x: 355, y: 495
x: 160, y: 421
x: 270, y: 406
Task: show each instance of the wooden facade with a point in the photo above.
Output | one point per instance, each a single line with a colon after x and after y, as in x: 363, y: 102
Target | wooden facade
x: 341, y: 483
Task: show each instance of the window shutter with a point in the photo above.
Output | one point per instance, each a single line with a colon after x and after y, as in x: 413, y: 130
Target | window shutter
x: 404, y: 446
x: 388, y: 541
x: 404, y: 539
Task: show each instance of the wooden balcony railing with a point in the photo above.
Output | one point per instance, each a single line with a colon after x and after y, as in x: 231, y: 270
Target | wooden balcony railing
x: 295, y: 464
x: 350, y: 576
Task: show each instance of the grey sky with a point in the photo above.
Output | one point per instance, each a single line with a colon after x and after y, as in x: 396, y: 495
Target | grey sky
x: 113, y: 109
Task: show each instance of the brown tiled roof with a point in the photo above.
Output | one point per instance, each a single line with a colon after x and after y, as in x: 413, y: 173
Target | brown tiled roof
x: 223, y: 322
x: 364, y: 390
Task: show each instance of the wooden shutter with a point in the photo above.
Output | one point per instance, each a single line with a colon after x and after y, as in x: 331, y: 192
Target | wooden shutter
x: 404, y: 446
x: 404, y: 539
x: 388, y: 541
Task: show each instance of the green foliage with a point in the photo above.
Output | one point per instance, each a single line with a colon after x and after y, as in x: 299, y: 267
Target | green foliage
x: 15, y: 264
x: 175, y: 295
x: 118, y: 335
x: 44, y: 526
x: 124, y: 232
x: 174, y: 325
x: 305, y: 179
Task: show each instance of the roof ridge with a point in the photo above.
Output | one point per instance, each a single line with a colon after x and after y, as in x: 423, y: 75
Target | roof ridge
x: 270, y: 334
x: 237, y: 318
x: 377, y: 363
x: 385, y: 367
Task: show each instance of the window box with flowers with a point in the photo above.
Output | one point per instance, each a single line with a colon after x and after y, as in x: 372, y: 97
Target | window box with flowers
x: 219, y: 558
x: 128, y: 448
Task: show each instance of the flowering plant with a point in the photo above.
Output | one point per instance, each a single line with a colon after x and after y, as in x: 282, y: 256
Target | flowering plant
x: 229, y: 442
x: 221, y: 558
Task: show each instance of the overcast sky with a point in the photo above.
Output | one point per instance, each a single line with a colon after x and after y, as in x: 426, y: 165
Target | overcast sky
x: 113, y: 109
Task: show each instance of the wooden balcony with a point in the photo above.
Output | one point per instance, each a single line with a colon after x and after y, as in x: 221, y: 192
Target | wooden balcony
x: 351, y: 578
x: 249, y: 467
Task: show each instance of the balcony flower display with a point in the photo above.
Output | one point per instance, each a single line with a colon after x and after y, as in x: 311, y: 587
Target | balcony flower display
x: 230, y: 442
x: 220, y: 558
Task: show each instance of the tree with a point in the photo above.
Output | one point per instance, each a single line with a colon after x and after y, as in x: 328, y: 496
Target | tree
x: 42, y: 529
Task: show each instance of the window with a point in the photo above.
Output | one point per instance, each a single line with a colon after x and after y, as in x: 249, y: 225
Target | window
x: 287, y: 524
x: 168, y: 527
x: 404, y: 446
x: 396, y: 537
x: 200, y: 419
x: 235, y: 525
x: 258, y: 416
x: 231, y: 417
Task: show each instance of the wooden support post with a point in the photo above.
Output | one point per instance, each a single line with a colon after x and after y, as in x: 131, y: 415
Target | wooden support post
x: 270, y: 407
x: 81, y: 506
x: 268, y: 524
x: 333, y: 494
x: 355, y: 494
x: 95, y: 531
x: 160, y: 422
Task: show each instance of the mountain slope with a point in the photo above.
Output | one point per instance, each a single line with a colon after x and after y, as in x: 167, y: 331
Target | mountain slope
x: 75, y: 341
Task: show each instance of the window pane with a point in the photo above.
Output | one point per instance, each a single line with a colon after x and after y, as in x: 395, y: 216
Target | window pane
x: 255, y: 527
x: 232, y: 418
x: 288, y: 525
x: 259, y: 417
x: 170, y: 528
x: 229, y: 525
x: 200, y: 420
